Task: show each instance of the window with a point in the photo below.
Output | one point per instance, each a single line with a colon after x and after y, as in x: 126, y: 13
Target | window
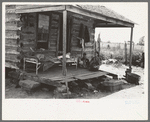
x: 43, y: 31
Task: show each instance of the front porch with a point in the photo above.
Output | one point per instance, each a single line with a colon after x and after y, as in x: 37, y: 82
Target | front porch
x: 54, y: 76
x: 54, y: 31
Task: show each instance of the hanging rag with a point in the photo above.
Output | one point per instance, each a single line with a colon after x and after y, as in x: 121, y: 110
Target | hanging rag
x: 83, y: 34
x: 82, y: 30
x: 82, y: 43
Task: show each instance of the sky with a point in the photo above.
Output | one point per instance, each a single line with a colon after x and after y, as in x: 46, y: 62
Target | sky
x: 135, y: 11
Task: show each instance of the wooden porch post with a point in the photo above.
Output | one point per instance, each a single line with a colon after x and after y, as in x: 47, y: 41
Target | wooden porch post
x: 64, y: 48
x: 64, y: 41
x: 130, y: 63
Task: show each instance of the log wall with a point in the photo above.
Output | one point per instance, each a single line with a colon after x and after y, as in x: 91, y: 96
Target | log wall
x: 54, y: 34
x: 12, y: 36
x: 28, y: 32
x: 89, y: 46
x: 19, y: 31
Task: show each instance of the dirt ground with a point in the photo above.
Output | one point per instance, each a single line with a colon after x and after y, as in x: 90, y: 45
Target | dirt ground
x: 135, y: 92
x: 42, y: 93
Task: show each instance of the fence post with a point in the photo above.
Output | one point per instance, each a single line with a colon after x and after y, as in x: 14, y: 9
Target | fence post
x: 125, y: 47
x: 130, y: 61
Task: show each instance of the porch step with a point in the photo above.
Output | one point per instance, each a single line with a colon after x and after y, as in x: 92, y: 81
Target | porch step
x: 90, y: 86
x: 90, y: 76
x: 62, y: 89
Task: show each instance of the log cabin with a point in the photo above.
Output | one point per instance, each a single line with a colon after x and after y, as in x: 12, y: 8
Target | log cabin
x: 56, y: 30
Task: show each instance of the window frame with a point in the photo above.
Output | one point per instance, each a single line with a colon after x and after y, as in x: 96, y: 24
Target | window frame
x: 48, y: 41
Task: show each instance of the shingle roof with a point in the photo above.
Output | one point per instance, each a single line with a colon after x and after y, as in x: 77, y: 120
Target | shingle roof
x: 93, y: 8
x: 105, y: 12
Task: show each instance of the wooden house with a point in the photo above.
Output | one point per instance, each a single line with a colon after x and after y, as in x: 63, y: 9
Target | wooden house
x: 55, y: 30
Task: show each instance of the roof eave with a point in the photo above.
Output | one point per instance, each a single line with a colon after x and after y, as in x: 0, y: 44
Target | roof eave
x: 129, y: 21
x: 77, y: 10
x: 98, y: 16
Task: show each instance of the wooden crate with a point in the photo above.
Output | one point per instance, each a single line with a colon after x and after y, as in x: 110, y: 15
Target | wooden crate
x: 133, y: 78
x: 112, y: 85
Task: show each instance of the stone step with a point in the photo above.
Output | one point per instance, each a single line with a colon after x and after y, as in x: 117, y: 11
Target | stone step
x: 29, y: 85
x: 62, y: 89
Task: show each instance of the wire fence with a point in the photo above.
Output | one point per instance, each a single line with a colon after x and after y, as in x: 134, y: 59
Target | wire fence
x: 113, y: 50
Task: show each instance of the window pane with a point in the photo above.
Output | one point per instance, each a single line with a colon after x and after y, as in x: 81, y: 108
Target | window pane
x: 43, y: 31
x: 43, y: 25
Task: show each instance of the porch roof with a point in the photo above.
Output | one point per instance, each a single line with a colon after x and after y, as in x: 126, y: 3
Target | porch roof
x: 103, y: 16
x: 105, y: 12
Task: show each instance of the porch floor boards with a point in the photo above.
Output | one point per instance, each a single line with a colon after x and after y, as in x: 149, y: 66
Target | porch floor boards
x: 54, y: 76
